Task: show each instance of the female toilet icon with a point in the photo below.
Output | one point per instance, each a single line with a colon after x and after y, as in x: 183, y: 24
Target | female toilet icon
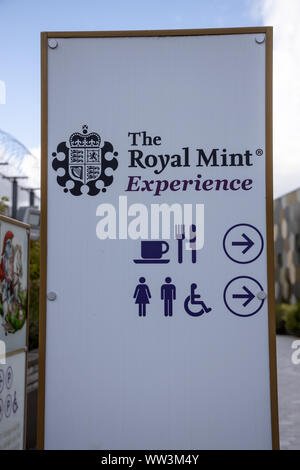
x: 193, y: 300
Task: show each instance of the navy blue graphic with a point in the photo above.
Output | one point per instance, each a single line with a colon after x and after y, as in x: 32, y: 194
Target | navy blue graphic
x: 1, y: 380
x: 180, y: 237
x: 243, y: 243
x: 9, y: 377
x: 193, y: 299
x: 8, y: 405
x: 248, y: 296
x: 85, y: 163
x: 168, y: 295
x: 152, y: 252
x: 15, y: 405
x: 192, y: 241
x: 248, y: 243
x: 142, y: 295
x: 240, y: 296
x: 1, y: 409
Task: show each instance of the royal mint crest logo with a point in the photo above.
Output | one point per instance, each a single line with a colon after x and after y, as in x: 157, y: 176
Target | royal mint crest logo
x: 87, y: 166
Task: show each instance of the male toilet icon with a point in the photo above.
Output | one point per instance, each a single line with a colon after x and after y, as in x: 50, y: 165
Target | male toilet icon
x: 193, y: 299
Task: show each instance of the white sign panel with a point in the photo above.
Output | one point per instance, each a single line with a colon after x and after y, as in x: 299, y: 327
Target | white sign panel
x: 12, y: 400
x: 157, y: 327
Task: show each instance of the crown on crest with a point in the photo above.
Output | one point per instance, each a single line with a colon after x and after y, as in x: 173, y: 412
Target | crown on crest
x: 85, y: 140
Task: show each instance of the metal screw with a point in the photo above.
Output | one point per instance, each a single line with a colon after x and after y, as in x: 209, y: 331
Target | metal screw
x: 52, y: 43
x: 261, y: 295
x: 260, y: 39
x: 51, y: 296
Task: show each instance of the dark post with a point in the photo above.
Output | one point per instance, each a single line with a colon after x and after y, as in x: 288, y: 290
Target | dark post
x: 31, y: 198
x: 14, y: 198
x: 14, y: 181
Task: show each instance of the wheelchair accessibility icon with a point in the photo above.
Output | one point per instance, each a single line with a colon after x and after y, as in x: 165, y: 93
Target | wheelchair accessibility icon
x: 192, y: 300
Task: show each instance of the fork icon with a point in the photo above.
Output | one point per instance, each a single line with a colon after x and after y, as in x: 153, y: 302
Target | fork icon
x: 180, y: 236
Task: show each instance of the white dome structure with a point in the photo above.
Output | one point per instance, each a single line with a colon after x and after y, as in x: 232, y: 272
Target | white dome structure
x: 17, y: 161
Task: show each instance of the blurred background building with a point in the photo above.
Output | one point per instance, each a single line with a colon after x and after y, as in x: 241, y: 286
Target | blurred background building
x: 287, y: 247
x: 19, y: 182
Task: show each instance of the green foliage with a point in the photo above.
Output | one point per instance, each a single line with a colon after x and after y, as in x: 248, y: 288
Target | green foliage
x: 288, y: 319
x: 17, y: 320
x: 292, y: 320
x: 280, y: 310
x: 3, y: 205
x: 34, y: 294
x: 22, y: 297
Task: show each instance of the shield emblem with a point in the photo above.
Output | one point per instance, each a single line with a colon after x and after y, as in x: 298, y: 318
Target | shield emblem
x: 85, y: 160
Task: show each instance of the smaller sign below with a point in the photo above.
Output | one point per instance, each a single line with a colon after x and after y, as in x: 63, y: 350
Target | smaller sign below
x: 12, y: 400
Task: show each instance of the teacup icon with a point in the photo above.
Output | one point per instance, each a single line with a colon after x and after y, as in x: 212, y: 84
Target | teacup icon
x: 152, y: 251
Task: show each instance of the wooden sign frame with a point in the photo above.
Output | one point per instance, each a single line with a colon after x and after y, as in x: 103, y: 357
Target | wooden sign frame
x: 268, y: 31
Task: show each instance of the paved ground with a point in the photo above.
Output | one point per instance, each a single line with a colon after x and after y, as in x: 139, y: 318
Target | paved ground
x: 288, y: 394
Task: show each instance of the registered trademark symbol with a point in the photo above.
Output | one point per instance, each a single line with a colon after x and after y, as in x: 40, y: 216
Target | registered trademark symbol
x: 259, y: 152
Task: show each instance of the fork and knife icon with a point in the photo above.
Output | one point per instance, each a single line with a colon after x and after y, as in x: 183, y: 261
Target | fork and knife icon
x: 180, y: 237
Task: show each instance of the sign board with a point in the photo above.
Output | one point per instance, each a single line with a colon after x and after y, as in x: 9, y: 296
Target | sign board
x: 157, y: 296
x: 12, y: 401
x: 14, y: 297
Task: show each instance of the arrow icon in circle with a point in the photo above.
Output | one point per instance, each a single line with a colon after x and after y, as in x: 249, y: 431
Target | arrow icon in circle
x: 249, y: 296
x: 248, y: 243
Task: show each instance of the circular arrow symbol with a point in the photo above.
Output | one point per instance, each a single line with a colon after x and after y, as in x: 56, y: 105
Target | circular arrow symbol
x: 243, y: 243
x: 240, y: 296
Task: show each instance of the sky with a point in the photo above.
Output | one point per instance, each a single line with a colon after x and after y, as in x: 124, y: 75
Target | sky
x: 284, y: 16
x: 21, y: 22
